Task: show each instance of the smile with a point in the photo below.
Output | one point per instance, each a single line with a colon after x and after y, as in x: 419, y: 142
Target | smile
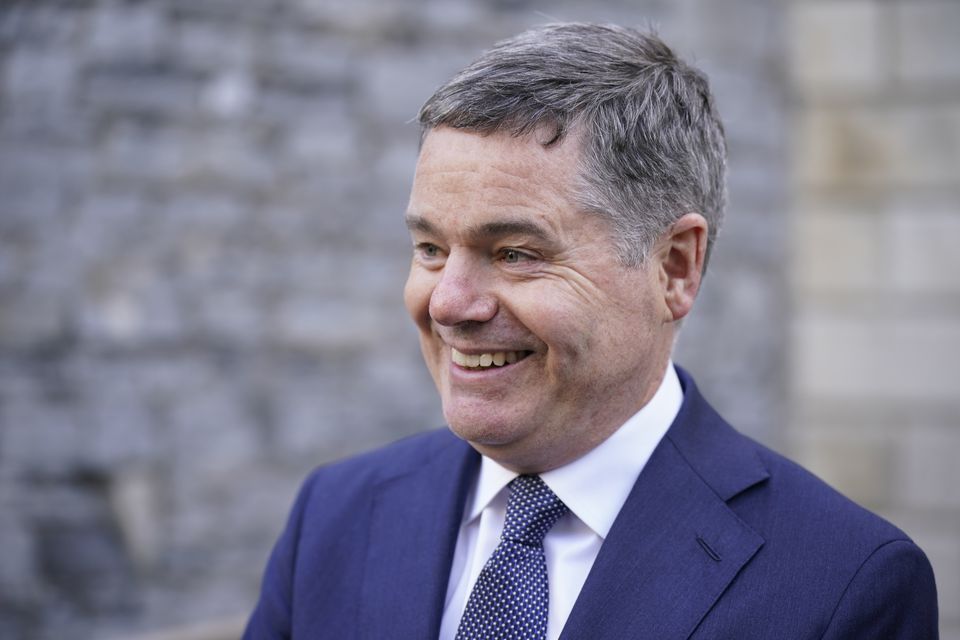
x: 485, y: 360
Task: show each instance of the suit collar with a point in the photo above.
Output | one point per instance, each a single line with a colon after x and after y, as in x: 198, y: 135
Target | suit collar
x: 676, y: 545
x: 414, y: 524
x: 724, y: 458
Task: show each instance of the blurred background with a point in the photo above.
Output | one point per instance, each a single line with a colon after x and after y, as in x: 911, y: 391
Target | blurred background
x: 202, y: 253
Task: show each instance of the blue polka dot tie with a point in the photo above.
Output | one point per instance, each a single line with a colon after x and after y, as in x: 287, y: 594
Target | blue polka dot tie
x: 509, y: 600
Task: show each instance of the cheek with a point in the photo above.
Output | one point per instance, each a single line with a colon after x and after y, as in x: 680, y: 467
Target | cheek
x: 567, y: 328
x: 585, y: 336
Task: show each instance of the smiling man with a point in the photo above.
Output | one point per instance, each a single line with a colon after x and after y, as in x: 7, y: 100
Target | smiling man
x: 540, y: 342
x: 567, y: 195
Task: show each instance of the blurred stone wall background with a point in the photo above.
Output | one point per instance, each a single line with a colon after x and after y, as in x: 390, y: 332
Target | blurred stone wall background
x: 201, y: 257
x: 875, y: 273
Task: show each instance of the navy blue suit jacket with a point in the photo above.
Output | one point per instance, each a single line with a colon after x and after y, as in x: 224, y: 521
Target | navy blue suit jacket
x: 720, y: 538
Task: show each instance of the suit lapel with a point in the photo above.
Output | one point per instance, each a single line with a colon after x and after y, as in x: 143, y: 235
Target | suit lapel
x: 413, y: 531
x: 676, y: 545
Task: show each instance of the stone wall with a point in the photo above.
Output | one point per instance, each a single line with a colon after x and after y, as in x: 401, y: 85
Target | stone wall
x: 201, y: 256
x: 875, y: 339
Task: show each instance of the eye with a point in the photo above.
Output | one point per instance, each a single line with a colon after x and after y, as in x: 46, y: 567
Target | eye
x: 428, y: 252
x: 514, y: 256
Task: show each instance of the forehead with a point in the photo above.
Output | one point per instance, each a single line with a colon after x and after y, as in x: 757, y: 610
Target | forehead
x: 458, y: 168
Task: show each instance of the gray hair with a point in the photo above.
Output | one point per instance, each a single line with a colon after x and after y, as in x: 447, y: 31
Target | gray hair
x: 652, y: 143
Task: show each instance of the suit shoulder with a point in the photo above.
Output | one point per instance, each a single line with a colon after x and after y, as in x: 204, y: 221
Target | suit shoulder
x: 824, y: 563
x: 802, y: 506
x: 874, y: 578
x: 769, y: 491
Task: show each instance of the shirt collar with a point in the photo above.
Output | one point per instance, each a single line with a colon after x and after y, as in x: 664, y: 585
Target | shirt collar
x: 595, y: 486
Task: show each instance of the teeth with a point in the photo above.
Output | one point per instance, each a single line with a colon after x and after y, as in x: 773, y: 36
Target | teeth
x: 484, y: 360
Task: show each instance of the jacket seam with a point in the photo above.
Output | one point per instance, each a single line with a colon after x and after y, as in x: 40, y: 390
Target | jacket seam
x: 853, y: 578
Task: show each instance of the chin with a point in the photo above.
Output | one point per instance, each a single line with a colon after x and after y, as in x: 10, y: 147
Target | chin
x: 482, y: 428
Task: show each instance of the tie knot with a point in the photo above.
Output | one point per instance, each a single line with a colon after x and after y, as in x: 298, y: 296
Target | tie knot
x: 532, y: 510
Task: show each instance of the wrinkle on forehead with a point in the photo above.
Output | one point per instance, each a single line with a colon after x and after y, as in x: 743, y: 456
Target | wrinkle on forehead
x: 499, y: 172
x: 518, y: 157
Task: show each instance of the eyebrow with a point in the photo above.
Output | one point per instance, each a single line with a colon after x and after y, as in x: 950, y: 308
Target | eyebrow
x: 419, y: 223
x: 487, y: 230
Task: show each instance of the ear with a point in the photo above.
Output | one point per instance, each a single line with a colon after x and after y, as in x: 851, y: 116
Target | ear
x: 681, y: 252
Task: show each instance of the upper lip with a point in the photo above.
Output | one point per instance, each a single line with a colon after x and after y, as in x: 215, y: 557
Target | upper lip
x: 478, y: 351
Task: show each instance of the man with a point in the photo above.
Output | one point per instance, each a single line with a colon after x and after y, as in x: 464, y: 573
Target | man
x: 567, y: 195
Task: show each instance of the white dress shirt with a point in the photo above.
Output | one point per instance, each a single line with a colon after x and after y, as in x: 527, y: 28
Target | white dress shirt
x: 594, y: 487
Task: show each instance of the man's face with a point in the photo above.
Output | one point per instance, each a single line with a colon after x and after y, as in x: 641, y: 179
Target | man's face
x: 541, y: 343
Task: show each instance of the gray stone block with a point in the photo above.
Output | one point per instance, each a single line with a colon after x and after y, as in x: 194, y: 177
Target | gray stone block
x: 36, y: 76
x: 837, y: 46
x: 132, y: 33
x: 878, y: 147
x: 208, y: 46
x: 928, y: 473
x: 139, y: 91
x: 926, y: 36
x: 859, y: 356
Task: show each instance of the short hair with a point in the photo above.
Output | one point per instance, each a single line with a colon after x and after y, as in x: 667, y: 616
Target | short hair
x: 653, y: 146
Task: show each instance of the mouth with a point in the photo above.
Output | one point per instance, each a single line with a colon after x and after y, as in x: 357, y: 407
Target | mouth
x: 488, y: 360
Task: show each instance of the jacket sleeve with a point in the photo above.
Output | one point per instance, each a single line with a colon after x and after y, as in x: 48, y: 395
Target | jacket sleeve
x: 272, y: 617
x: 892, y: 596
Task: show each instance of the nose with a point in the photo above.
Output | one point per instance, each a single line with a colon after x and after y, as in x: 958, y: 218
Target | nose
x: 462, y: 294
